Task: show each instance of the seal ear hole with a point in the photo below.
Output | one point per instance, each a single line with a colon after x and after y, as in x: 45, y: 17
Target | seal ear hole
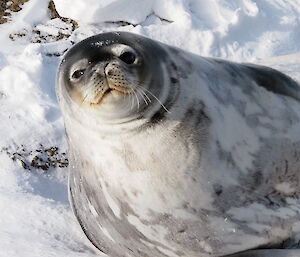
x: 77, y: 74
x: 128, y: 57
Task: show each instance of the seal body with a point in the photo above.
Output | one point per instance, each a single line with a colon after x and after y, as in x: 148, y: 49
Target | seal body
x: 172, y: 154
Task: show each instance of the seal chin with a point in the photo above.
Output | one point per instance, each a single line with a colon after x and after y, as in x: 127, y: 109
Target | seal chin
x: 99, y: 98
x: 111, y: 96
x: 114, y: 104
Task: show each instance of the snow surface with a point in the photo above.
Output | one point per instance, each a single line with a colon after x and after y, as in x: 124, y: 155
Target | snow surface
x: 35, y: 217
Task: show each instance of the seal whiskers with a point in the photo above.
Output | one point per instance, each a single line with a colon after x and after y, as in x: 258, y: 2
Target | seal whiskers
x: 144, y: 96
x: 148, y: 91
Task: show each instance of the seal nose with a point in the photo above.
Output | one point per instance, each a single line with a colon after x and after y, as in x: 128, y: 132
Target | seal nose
x: 99, y: 68
x: 111, y: 68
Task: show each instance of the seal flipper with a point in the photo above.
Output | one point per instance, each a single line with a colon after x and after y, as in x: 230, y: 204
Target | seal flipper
x: 268, y: 253
x: 273, y: 80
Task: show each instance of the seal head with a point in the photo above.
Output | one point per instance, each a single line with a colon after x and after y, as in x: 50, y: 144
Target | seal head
x: 112, y: 73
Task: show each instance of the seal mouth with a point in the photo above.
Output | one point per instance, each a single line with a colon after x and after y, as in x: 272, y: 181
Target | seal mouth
x: 101, y: 96
x: 120, y: 89
x: 113, y: 82
x: 109, y: 90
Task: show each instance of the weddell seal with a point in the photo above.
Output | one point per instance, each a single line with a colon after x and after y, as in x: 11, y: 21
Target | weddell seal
x: 172, y: 154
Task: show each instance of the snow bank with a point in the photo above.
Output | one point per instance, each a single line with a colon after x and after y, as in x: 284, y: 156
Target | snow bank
x: 93, y: 11
x: 34, y: 224
x: 35, y: 217
x: 235, y: 29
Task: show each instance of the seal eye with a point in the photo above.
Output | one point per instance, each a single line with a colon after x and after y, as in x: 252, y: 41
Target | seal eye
x: 77, y: 74
x: 128, y: 57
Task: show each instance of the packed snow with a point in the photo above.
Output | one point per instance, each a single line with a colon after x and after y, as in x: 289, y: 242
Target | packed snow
x: 35, y: 218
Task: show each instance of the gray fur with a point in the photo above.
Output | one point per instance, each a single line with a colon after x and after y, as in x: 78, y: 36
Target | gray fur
x: 268, y: 253
x: 211, y: 170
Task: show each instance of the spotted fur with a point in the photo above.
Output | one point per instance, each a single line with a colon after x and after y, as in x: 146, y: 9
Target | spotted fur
x: 204, y: 162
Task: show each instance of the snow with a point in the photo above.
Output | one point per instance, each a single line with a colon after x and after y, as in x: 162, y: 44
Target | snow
x: 92, y: 11
x: 235, y: 29
x: 35, y: 217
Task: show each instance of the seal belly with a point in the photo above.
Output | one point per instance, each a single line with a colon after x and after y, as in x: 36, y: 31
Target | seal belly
x: 139, y: 201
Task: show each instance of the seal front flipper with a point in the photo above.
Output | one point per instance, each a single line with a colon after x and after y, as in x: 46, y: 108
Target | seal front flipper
x: 273, y: 80
x: 268, y: 253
